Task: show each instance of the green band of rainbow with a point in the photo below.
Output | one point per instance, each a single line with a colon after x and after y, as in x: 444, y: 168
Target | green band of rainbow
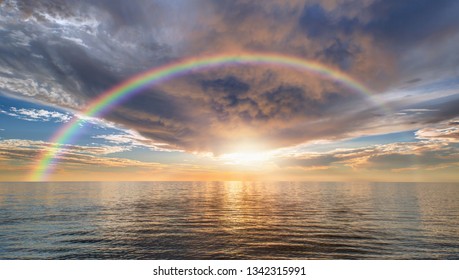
x: 136, y: 84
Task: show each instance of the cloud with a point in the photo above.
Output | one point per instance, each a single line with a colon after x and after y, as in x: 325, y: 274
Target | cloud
x: 447, y: 132
x: 411, y: 21
x: 340, y: 53
x: 435, y: 150
x: 37, y: 115
x: 68, y: 52
x: 317, y: 22
x: 390, y: 157
x: 131, y: 139
x: 26, y: 152
x: 418, y: 110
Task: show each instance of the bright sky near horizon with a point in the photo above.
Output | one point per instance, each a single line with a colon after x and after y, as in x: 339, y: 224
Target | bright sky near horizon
x: 237, y: 121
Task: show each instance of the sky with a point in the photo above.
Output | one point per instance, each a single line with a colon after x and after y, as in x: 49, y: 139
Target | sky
x: 236, y: 121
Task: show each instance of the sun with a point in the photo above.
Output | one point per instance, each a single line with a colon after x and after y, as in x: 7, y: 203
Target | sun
x: 247, y: 152
x: 246, y: 158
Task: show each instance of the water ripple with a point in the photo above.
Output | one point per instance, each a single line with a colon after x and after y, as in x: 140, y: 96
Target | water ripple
x: 228, y: 220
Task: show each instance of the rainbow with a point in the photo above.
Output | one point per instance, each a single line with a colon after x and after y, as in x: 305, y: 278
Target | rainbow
x: 127, y: 89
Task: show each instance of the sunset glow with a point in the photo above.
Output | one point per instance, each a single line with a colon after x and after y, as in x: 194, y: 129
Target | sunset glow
x: 291, y: 91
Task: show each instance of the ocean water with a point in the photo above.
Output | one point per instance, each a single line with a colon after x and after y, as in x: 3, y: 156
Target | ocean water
x: 229, y: 220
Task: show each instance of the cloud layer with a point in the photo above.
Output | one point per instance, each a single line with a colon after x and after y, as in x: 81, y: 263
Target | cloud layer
x: 435, y: 148
x: 68, y: 52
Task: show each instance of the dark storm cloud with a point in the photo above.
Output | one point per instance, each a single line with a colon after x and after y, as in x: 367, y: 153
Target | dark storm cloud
x: 419, y: 35
x: 120, y: 13
x: 340, y: 53
x: 80, y: 48
x: 334, y: 31
x: 286, y: 102
x: 230, y: 84
x: 73, y: 64
x: 317, y: 23
x: 423, y: 35
x: 68, y: 52
x: 231, y: 97
x: 164, y: 117
x: 410, y: 21
x: 390, y: 21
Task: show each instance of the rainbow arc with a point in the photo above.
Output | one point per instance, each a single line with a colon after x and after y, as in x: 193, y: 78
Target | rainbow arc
x: 129, y: 88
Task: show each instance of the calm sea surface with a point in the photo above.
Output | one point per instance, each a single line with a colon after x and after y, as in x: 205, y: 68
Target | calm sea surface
x: 229, y: 220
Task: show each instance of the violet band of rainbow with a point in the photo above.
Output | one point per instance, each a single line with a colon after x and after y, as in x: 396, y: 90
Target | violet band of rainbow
x: 129, y: 88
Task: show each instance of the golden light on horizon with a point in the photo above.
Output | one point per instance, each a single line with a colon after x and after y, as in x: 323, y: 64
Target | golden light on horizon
x: 247, y: 153
x: 246, y: 158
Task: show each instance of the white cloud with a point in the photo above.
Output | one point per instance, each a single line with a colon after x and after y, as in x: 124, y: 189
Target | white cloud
x: 76, y: 41
x: 419, y: 110
x: 27, y: 151
x: 65, y: 148
x: 48, y: 90
x: 98, y: 122
x: 37, y: 115
x: 134, y: 139
x: 70, y: 22
x: 435, y: 148
x: 446, y: 132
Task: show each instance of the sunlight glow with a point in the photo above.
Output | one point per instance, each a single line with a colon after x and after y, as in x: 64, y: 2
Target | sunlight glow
x: 246, y: 158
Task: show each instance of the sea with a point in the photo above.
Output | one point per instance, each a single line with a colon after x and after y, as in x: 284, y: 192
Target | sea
x: 229, y: 220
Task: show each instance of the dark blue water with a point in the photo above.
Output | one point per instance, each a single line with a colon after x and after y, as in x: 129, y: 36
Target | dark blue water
x: 229, y: 220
